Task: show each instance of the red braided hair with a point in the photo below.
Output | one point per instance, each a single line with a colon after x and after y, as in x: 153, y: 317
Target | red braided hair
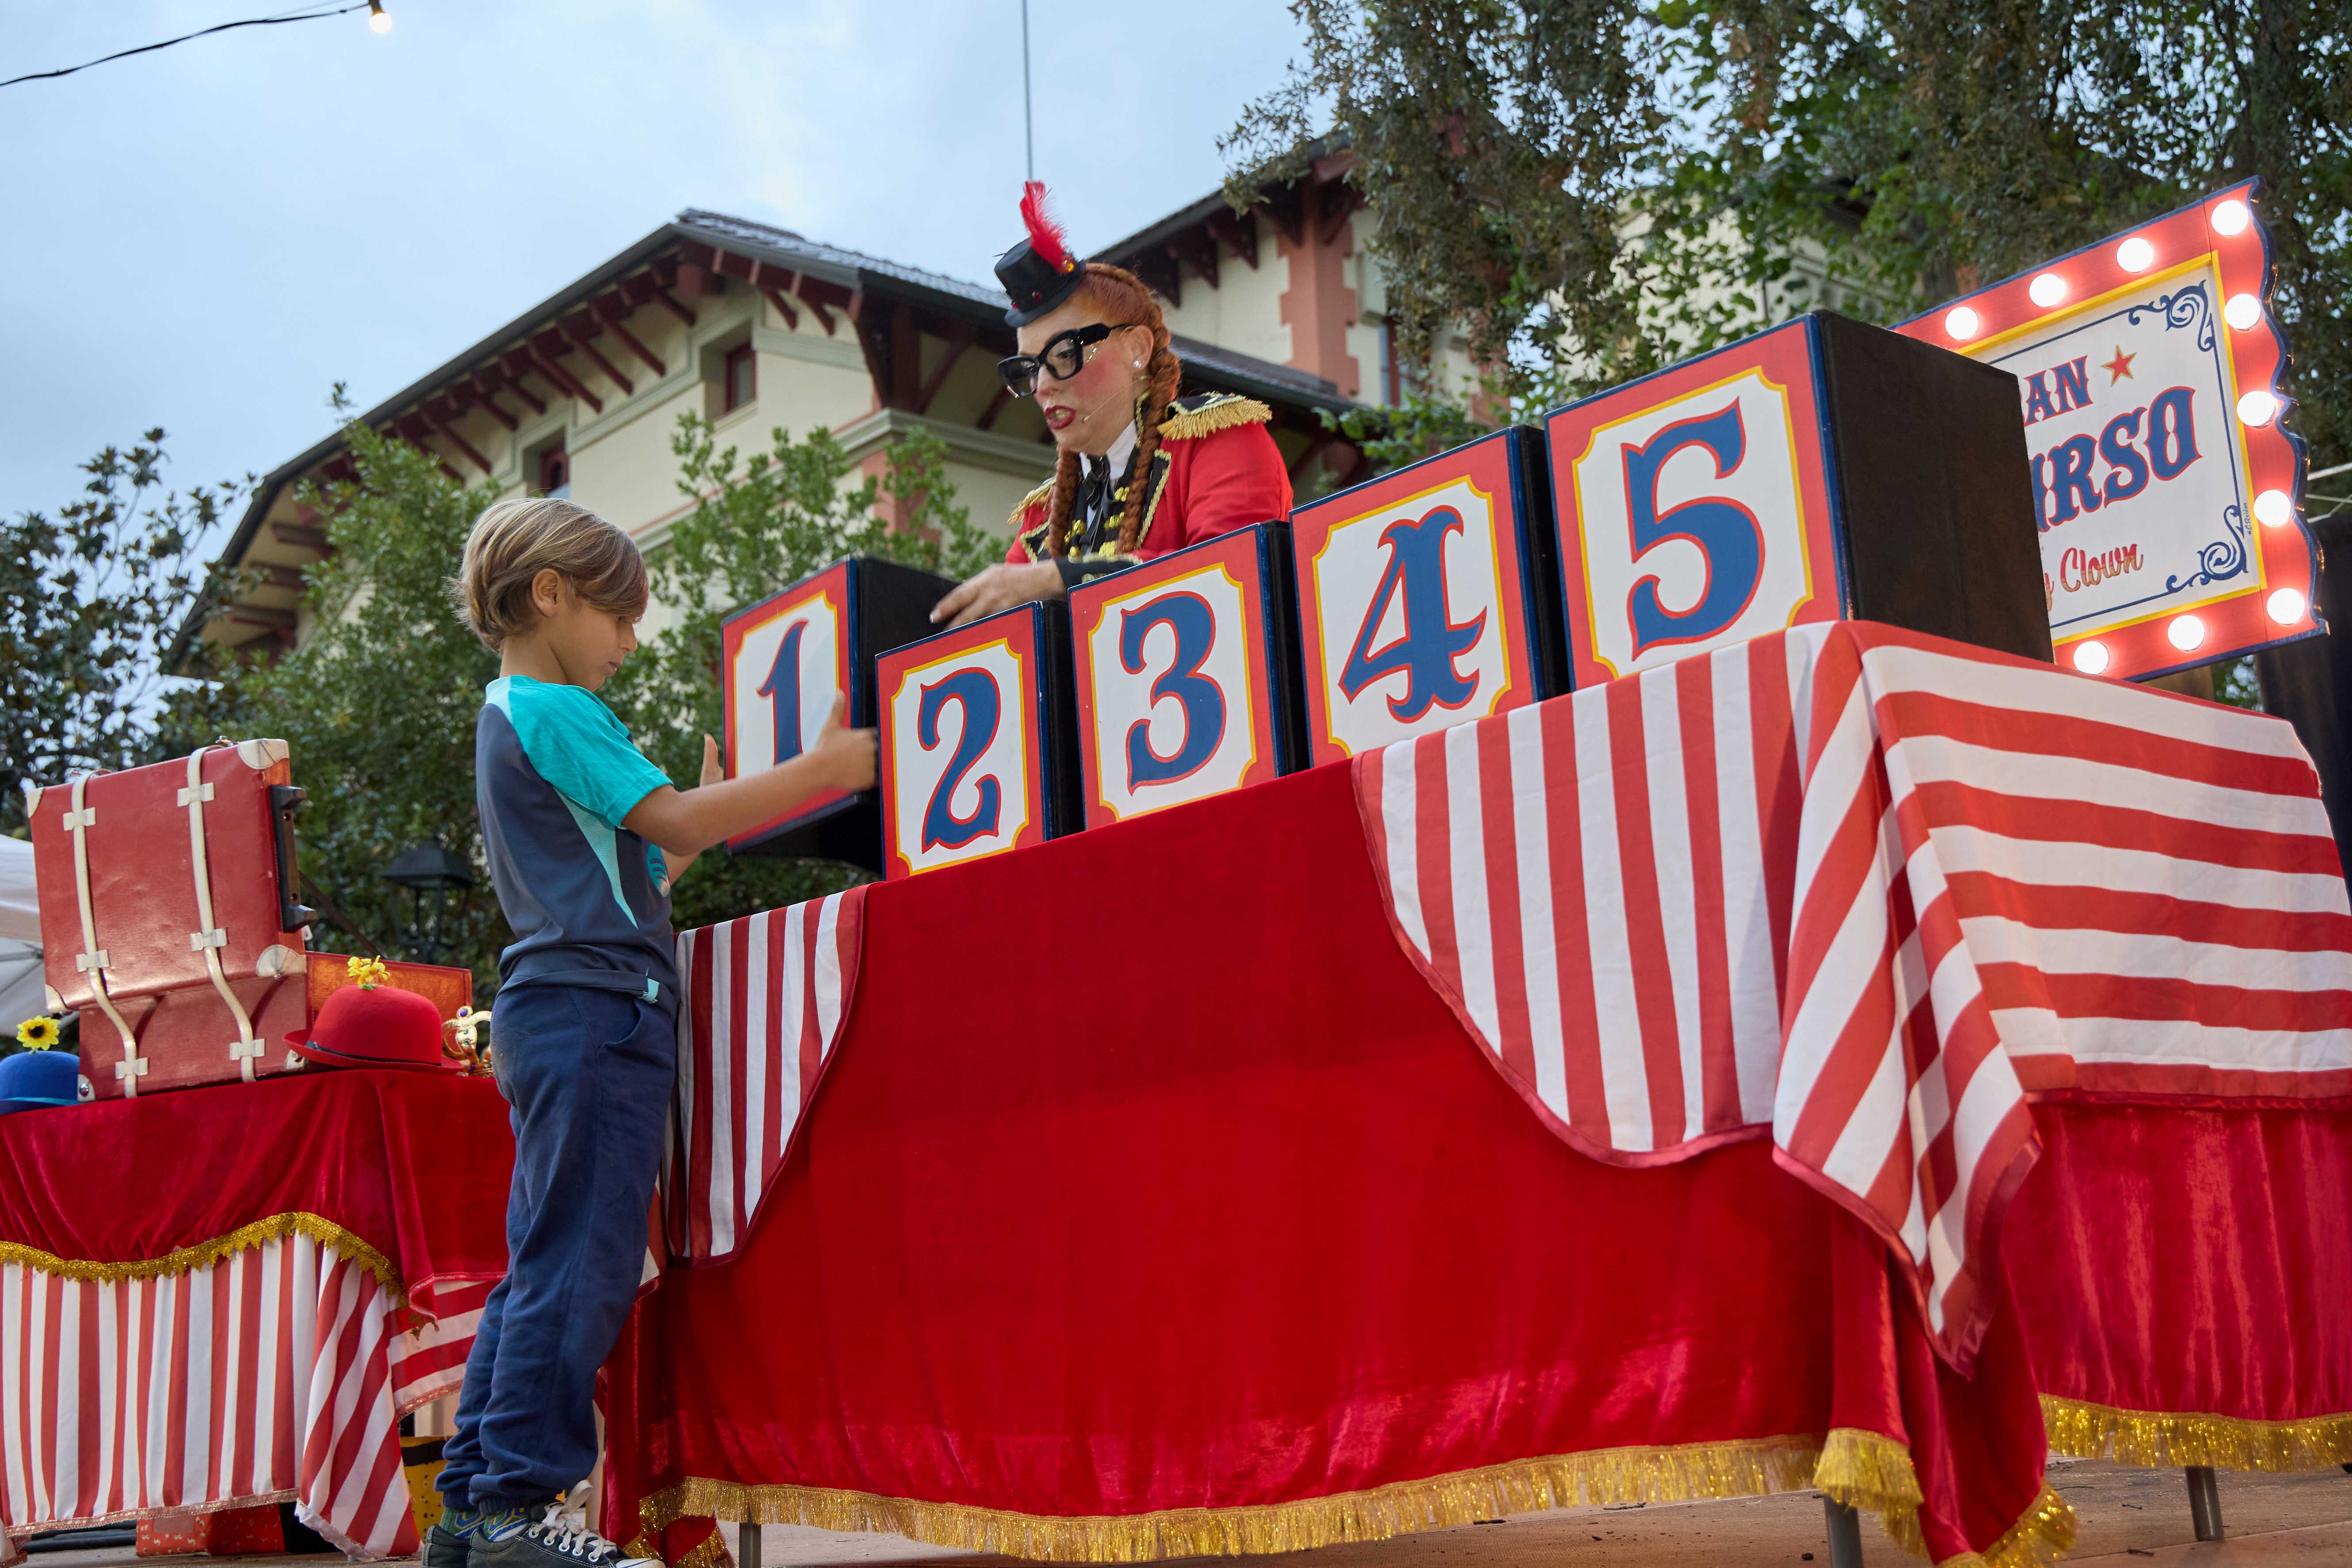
x: 1119, y: 297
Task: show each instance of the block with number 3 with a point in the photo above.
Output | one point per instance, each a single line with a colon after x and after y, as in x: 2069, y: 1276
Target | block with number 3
x: 1185, y: 676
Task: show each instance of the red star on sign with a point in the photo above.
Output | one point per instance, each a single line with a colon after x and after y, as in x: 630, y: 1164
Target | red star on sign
x: 2118, y: 367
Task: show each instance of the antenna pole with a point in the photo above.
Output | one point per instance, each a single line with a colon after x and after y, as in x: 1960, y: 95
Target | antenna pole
x: 1028, y: 98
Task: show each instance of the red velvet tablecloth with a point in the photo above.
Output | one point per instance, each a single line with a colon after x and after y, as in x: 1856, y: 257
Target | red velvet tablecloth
x: 1154, y: 1204
x: 412, y: 1165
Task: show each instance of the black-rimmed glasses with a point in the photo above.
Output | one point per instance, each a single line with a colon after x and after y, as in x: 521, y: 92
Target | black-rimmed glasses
x: 1064, y: 355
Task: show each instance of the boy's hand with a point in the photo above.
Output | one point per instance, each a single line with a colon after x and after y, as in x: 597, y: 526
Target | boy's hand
x: 713, y: 769
x: 847, y: 759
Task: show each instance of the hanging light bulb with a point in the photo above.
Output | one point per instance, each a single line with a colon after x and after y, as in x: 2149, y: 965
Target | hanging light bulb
x: 379, y: 19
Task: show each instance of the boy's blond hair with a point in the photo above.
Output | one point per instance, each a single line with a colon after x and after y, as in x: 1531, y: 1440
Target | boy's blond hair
x: 514, y: 541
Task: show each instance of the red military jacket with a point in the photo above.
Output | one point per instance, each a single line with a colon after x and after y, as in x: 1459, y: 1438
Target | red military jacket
x: 1217, y: 469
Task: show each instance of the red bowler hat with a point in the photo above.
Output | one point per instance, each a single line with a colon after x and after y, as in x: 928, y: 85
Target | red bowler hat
x: 375, y: 1025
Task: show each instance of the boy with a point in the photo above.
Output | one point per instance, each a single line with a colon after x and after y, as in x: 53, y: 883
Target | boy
x: 583, y: 838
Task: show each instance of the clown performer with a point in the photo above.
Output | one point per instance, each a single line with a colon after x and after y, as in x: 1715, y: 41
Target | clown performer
x: 1140, y: 471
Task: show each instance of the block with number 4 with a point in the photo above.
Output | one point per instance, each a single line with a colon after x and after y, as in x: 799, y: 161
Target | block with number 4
x: 977, y: 744
x: 1186, y: 676
x: 1427, y: 597
x: 783, y: 663
x: 1818, y: 471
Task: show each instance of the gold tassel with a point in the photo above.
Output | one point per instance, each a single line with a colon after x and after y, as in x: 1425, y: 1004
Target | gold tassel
x: 324, y: 1231
x: 1222, y: 414
x: 2044, y: 1534
x: 1869, y: 1472
x: 1021, y: 507
x: 2156, y: 1441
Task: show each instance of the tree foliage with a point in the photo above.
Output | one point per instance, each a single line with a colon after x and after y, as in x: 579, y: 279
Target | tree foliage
x: 89, y: 598
x: 1594, y: 187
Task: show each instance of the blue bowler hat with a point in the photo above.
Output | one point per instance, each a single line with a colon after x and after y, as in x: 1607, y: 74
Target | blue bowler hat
x: 30, y: 1079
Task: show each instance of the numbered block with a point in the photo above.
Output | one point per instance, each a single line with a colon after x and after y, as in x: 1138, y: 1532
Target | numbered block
x: 1822, y: 470
x: 1186, y: 681
x: 1427, y: 597
x: 784, y: 661
x: 978, y: 740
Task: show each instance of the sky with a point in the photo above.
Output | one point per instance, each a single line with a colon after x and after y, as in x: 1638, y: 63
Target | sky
x: 208, y: 237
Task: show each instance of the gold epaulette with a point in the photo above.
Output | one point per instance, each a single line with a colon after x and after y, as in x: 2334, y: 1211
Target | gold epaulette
x: 1021, y: 507
x: 1190, y: 418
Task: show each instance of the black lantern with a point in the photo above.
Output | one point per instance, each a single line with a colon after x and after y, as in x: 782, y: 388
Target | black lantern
x: 431, y: 873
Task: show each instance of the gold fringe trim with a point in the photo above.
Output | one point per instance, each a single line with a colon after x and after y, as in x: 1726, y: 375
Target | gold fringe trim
x: 2044, y: 1534
x: 1222, y: 414
x: 1871, y: 1473
x: 2085, y: 1431
x: 1747, y: 1468
x: 1021, y: 507
x: 319, y: 1228
x: 711, y: 1553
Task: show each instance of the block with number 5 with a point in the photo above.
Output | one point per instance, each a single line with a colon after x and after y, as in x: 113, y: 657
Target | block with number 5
x: 977, y: 741
x: 1427, y: 597
x: 1819, y: 471
x: 1186, y: 677
x: 785, y: 659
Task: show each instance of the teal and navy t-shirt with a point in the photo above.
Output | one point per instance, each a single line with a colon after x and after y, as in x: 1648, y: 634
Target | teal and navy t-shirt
x: 554, y: 772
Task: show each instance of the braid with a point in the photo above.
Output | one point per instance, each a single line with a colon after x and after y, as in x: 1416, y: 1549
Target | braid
x: 1162, y: 374
x: 1058, y: 508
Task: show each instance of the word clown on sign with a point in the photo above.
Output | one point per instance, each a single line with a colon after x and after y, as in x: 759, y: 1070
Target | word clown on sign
x: 975, y: 743
x: 2164, y: 490
x: 1183, y: 677
x: 1426, y: 597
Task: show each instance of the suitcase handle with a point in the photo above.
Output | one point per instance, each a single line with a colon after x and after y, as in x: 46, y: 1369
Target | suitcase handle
x: 285, y: 800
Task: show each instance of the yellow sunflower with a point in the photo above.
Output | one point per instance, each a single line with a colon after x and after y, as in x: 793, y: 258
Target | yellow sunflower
x: 38, y: 1034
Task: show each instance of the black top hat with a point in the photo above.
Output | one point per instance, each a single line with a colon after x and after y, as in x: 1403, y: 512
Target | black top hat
x: 1039, y: 272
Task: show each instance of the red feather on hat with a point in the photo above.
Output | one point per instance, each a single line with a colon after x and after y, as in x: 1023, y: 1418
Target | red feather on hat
x: 1046, y: 236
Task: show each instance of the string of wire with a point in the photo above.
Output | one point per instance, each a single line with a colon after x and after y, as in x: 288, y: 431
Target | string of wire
x: 308, y: 13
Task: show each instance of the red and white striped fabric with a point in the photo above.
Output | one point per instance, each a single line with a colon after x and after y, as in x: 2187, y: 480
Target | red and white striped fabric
x: 276, y: 1373
x: 765, y: 996
x: 1868, y: 889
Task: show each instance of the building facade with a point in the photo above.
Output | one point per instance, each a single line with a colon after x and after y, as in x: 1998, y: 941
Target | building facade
x: 756, y: 329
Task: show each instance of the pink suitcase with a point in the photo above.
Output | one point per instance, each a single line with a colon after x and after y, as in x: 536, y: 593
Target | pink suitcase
x: 168, y: 921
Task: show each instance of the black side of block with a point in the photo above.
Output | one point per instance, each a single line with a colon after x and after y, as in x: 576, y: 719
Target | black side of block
x: 1286, y: 667
x: 1058, y: 727
x: 1539, y: 555
x: 1928, y: 463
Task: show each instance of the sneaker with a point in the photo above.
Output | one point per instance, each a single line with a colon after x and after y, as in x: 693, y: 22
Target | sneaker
x: 445, y: 1548
x: 560, y: 1539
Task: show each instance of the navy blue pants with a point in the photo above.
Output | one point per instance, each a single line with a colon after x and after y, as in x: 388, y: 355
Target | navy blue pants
x: 588, y: 1074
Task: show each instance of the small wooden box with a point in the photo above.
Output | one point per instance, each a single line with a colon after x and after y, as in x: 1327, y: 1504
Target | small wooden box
x: 978, y: 742
x: 1186, y: 674
x: 783, y: 663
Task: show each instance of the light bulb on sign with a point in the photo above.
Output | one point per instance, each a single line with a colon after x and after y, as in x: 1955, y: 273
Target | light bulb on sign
x: 2285, y: 606
x: 2186, y: 632
x: 2134, y: 255
x: 2257, y: 407
x: 2242, y: 311
x: 379, y: 19
x: 2273, y: 510
x: 1962, y: 323
x: 2090, y: 658
x: 2046, y: 290
x: 2231, y: 218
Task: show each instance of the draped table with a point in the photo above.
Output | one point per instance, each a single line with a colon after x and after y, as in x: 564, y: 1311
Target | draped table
x: 229, y: 1296
x: 1621, y: 1100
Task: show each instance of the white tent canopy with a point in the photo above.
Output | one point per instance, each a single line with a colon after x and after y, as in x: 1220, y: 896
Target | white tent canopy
x: 21, y: 994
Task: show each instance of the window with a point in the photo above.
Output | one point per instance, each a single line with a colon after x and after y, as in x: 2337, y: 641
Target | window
x: 741, y: 383
x: 554, y: 471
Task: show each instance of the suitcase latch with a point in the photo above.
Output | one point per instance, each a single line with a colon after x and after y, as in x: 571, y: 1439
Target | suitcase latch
x: 200, y: 940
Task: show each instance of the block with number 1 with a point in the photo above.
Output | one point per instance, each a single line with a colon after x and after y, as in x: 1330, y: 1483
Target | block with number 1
x: 783, y: 663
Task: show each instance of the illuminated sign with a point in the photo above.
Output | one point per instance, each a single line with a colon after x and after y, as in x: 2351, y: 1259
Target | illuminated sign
x: 1426, y: 597
x: 2169, y: 498
x: 1183, y: 678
